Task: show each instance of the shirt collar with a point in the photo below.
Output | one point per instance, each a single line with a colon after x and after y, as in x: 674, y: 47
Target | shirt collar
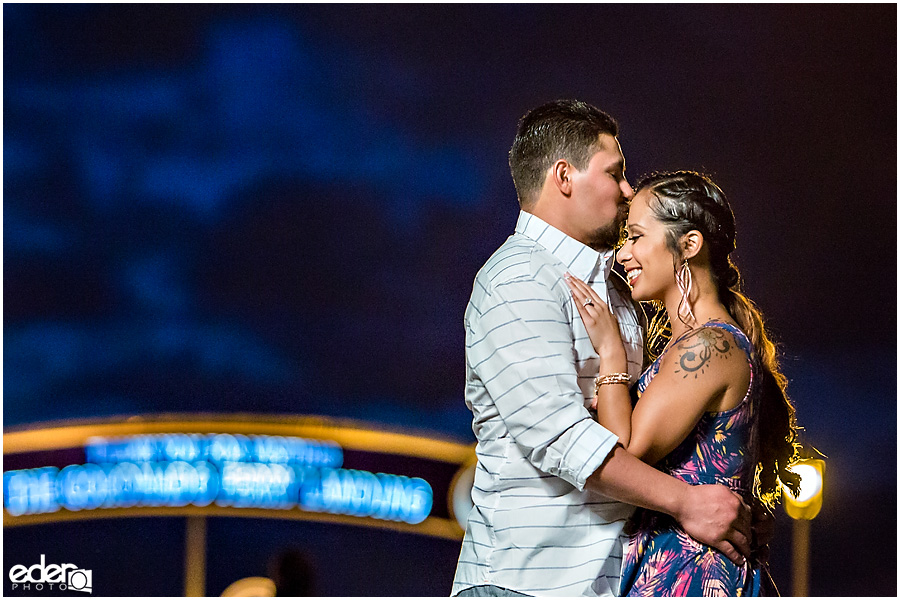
x: 582, y: 261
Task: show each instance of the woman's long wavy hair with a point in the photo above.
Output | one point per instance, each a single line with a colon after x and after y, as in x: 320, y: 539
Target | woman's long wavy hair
x: 686, y: 201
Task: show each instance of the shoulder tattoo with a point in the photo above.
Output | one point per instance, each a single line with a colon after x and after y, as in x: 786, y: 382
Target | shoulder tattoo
x: 696, y: 351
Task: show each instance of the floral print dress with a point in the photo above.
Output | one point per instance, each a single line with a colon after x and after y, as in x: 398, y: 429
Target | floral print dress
x: 662, y: 560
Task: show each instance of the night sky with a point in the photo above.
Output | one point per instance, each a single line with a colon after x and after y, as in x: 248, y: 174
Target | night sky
x: 281, y: 209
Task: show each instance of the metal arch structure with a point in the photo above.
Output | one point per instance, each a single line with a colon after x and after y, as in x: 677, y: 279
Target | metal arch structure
x: 442, y: 462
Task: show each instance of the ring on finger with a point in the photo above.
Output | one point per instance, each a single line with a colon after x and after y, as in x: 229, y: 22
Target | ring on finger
x: 587, y: 303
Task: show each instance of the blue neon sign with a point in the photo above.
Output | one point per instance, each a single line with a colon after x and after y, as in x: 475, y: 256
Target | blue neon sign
x: 271, y: 472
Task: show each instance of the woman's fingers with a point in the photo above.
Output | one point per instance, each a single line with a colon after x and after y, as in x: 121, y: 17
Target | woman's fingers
x: 586, y: 295
x: 583, y: 302
x: 588, y: 290
x: 580, y: 300
x: 577, y: 284
x: 601, y: 325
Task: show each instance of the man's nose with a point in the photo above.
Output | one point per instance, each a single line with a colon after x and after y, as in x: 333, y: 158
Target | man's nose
x: 627, y: 191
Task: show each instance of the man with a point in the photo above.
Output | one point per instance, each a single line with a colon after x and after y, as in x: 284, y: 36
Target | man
x: 552, y: 487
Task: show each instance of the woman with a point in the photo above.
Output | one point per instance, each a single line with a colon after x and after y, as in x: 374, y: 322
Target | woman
x: 712, y: 407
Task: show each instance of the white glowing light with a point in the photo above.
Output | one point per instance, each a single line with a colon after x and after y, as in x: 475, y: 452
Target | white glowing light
x: 810, y: 482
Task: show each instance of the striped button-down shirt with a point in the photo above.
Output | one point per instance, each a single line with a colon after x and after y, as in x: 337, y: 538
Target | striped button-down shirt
x: 530, y: 368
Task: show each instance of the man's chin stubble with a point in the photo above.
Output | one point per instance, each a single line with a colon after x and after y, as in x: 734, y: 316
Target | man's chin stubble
x: 607, y: 238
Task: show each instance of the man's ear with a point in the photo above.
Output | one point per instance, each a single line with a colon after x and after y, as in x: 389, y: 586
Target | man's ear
x: 691, y: 243
x: 561, y: 174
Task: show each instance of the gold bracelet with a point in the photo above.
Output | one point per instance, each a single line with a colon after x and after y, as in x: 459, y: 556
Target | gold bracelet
x: 610, y: 379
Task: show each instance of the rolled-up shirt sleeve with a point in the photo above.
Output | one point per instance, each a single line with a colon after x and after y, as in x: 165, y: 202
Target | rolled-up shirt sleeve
x: 520, y: 347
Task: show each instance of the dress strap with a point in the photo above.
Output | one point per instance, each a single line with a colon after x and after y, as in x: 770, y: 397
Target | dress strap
x: 741, y: 339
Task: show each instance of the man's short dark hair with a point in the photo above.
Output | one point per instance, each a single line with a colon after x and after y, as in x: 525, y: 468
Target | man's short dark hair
x: 564, y: 129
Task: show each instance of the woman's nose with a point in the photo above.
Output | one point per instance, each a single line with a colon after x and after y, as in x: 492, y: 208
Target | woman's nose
x: 623, y: 254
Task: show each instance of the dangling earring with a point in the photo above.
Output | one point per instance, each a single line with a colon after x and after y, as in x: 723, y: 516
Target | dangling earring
x: 685, y: 282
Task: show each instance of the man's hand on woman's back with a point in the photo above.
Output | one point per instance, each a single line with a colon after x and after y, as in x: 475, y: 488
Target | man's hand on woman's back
x: 717, y: 517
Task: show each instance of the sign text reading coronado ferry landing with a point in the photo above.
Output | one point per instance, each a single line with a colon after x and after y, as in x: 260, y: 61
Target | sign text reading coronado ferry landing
x: 257, y: 471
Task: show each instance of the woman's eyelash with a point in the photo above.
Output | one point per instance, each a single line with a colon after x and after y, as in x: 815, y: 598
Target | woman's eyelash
x: 633, y: 238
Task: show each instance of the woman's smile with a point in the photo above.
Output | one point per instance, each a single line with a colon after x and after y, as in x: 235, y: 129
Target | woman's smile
x: 632, y: 275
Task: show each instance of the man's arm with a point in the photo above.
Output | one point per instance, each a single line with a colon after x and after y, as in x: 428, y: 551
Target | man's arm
x: 519, y: 348
x: 519, y: 345
x: 711, y: 514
